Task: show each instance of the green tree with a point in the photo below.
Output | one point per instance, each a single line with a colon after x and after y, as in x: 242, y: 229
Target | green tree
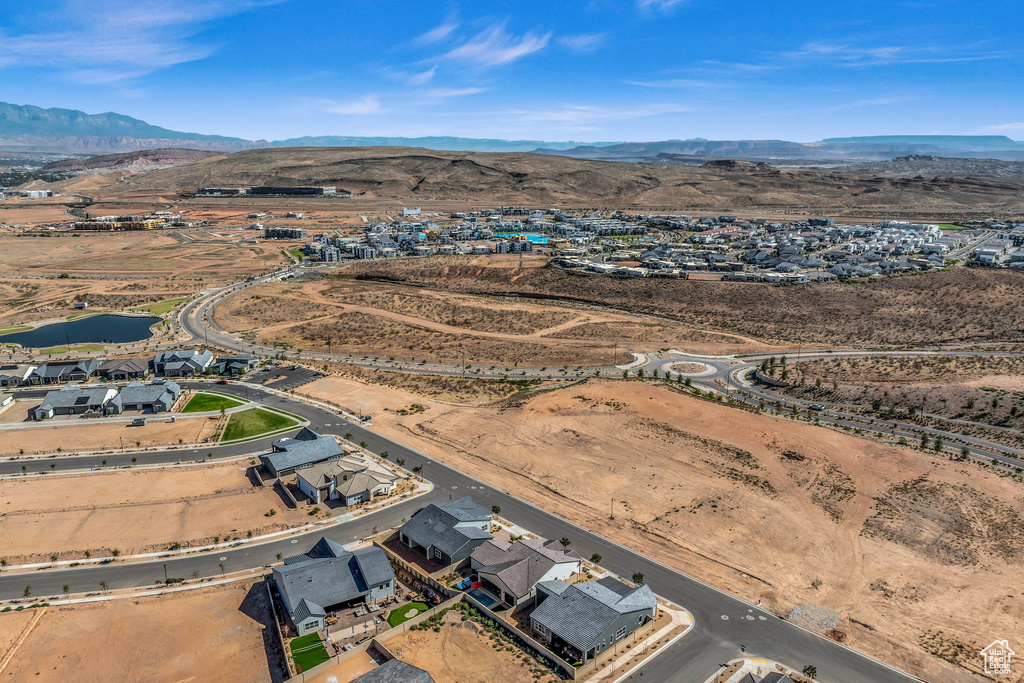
x: 565, y: 541
x: 924, y: 441
x: 115, y: 553
x: 27, y: 592
x: 595, y: 559
x: 66, y: 590
x: 810, y: 671
x: 638, y: 578
x: 103, y: 586
x: 496, y: 509
x: 938, y: 444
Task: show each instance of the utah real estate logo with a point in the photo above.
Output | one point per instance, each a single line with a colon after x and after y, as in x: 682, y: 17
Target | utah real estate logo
x: 997, y: 657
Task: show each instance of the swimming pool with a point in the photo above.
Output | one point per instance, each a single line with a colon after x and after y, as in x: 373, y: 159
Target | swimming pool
x: 481, y: 597
x: 534, y: 239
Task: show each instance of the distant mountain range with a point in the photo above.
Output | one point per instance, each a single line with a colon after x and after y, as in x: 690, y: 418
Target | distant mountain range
x: 25, y: 128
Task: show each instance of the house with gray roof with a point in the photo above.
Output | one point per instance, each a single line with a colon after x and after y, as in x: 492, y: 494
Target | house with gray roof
x: 156, y: 397
x: 395, y: 671
x: 305, y: 449
x: 181, y: 362
x: 234, y: 365
x: 581, y: 621
x: 351, y: 479
x: 448, y: 532
x: 13, y: 375
x: 511, y: 571
x: 65, y: 371
x: 76, y: 400
x: 329, y: 578
x: 120, y: 369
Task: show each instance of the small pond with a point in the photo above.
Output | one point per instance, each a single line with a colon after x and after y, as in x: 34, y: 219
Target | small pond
x: 97, y: 329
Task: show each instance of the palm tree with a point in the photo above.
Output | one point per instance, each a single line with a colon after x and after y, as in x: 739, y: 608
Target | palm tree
x: 565, y: 541
x: 638, y: 578
x: 53, y: 558
x: 27, y: 592
x: 103, y: 586
x: 195, y: 574
x: 3, y: 563
x: 115, y: 553
x: 66, y: 590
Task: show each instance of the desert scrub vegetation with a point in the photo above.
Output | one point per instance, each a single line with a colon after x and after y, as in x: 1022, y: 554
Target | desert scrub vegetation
x: 955, y: 306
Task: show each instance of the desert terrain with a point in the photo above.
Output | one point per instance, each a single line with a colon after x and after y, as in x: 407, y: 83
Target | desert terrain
x: 216, y: 634
x: 779, y: 512
x: 957, y: 306
x: 138, y: 511
x: 377, y: 319
x: 398, y: 173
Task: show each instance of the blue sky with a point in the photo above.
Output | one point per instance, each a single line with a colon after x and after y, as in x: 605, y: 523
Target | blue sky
x: 590, y: 70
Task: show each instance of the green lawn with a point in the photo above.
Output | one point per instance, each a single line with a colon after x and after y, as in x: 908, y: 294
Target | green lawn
x: 398, y: 615
x: 950, y: 226
x: 14, y: 328
x: 57, y: 350
x: 256, y: 422
x: 308, y: 651
x: 161, y: 307
x: 202, y: 402
x: 79, y: 316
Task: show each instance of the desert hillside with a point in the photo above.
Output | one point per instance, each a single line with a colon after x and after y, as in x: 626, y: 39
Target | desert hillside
x: 403, y: 173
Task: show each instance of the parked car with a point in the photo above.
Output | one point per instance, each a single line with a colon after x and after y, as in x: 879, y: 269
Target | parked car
x: 222, y: 381
x: 816, y: 407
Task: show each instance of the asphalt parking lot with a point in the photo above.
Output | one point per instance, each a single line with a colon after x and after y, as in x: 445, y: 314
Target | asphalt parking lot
x: 284, y: 377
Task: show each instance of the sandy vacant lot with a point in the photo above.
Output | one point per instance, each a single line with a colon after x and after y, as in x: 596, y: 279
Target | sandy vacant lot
x: 96, y: 435
x: 134, y: 511
x: 212, y: 634
x: 902, y: 544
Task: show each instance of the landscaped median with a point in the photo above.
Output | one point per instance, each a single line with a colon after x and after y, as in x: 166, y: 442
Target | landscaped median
x: 257, y: 422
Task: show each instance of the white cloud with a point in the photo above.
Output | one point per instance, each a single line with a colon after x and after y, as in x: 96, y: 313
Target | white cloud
x: 847, y: 55
x: 439, y: 33
x: 583, y: 43
x: 369, y: 104
x: 659, y: 5
x: 105, y: 41
x: 494, y: 46
x: 448, y: 93
x: 677, y: 83
x: 588, y: 113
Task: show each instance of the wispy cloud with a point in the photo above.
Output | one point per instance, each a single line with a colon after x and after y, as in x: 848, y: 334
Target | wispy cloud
x: 448, y: 93
x: 677, y: 83
x: 105, y: 41
x: 851, y: 55
x: 589, y: 113
x: 583, y: 43
x: 495, y: 46
x: 660, y: 5
x: 1015, y: 128
x: 369, y: 104
x: 423, y: 76
x: 438, y: 33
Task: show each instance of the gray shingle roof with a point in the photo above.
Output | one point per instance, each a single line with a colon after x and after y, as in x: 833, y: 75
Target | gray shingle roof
x: 137, y: 392
x: 291, y: 453
x: 328, y: 575
x: 395, y: 671
x: 124, y: 365
x: 434, y: 525
x: 76, y: 397
x: 62, y: 368
x: 522, y: 564
x: 580, y: 613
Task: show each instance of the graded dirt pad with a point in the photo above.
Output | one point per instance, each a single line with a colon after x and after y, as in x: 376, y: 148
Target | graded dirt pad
x: 958, y: 306
x: 210, y: 634
x: 137, y: 511
x: 896, y: 540
x: 377, y: 319
x: 95, y: 435
x: 357, y: 400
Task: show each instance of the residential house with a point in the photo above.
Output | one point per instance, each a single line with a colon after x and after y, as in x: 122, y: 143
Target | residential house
x: 234, y: 365
x: 329, y: 578
x: 448, y: 532
x: 120, y: 369
x: 305, y: 449
x: 511, y: 571
x: 65, y: 371
x: 182, y: 362
x: 583, y: 620
x: 77, y: 400
x: 13, y: 375
x: 395, y: 671
x: 351, y: 479
x: 156, y: 397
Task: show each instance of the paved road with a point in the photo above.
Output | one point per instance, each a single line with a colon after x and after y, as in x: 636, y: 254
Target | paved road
x: 713, y: 641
